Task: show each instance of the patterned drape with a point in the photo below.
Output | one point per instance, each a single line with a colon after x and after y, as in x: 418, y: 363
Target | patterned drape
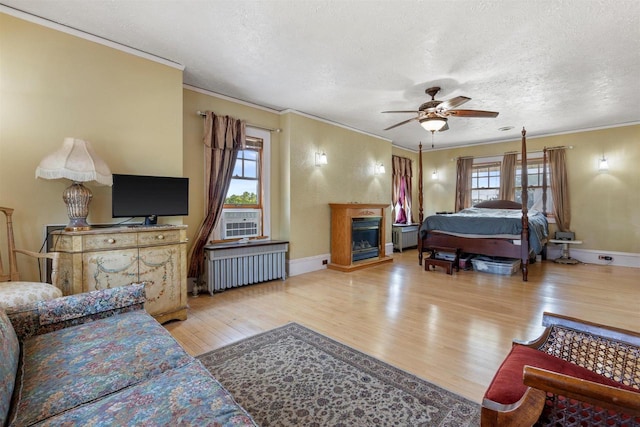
x: 560, y: 188
x: 224, y: 136
x: 463, y: 183
x: 508, y: 177
x: 401, y: 190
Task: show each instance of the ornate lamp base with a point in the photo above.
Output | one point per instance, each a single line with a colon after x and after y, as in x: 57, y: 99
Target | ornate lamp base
x: 77, y: 198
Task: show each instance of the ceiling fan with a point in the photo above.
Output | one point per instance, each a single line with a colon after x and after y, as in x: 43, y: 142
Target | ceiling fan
x: 433, y: 115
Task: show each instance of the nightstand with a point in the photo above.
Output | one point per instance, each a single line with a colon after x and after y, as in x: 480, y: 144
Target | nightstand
x: 565, y: 257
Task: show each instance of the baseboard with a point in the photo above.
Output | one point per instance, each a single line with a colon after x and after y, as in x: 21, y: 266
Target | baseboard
x: 315, y: 263
x: 590, y: 256
x: 307, y: 265
x: 299, y: 266
x: 388, y: 249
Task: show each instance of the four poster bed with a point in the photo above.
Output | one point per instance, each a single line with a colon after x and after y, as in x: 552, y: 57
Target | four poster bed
x: 494, y: 228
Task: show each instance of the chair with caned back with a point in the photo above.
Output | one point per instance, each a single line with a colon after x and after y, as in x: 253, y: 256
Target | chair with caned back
x: 577, y: 373
x: 14, y: 292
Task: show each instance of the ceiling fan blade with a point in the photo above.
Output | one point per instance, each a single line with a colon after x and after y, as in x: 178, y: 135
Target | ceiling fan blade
x: 402, y: 123
x: 471, y: 113
x: 445, y: 127
x: 454, y: 102
x: 403, y: 111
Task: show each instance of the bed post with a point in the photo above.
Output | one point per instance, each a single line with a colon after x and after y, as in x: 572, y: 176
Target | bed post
x: 544, y: 182
x: 524, y: 242
x: 420, y: 200
x: 420, y: 197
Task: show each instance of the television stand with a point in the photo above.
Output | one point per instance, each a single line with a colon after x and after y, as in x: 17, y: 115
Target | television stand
x: 107, y: 257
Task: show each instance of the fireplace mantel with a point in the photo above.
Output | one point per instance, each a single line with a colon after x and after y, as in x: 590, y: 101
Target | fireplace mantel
x: 342, y: 245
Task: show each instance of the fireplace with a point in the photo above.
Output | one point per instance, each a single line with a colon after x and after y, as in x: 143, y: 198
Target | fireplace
x: 365, y: 238
x: 357, y: 235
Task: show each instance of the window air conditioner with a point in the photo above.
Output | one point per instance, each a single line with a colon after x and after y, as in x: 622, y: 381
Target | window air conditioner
x: 239, y: 223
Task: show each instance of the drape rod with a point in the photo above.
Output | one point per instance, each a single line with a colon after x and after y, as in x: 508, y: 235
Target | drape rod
x: 278, y: 130
x: 570, y: 147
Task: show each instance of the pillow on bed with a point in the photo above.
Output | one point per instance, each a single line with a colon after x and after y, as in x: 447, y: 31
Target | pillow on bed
x: 498, y: 204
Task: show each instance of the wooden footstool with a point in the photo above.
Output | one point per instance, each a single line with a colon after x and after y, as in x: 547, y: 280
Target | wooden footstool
x: 449, y: 265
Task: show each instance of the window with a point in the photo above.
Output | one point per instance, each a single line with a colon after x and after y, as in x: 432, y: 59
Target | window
x: 534, y: 184
x: 485, y: 182
x: 246, y: 212
x: 245, y: 189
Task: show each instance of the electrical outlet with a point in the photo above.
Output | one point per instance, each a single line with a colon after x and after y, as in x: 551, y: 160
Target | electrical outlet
x: 324, y: 262
x: 605, y: 257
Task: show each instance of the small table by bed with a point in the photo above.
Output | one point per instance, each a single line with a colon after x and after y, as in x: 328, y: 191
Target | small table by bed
x: 565, y: 257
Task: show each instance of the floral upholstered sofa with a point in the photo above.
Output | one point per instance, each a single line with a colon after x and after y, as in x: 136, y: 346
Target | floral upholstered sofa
x: 99, y: 359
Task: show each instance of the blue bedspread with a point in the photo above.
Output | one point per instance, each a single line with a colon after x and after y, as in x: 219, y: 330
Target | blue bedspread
x: 490, y: 222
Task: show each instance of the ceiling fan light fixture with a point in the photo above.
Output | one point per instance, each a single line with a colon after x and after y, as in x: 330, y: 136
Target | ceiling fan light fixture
x: 433, y: 124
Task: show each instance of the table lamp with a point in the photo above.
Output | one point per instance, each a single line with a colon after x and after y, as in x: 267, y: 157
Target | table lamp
x: 77, y: 161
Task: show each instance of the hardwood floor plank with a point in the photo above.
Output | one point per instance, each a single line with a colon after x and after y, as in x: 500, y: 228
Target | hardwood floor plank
x: 452, y: 330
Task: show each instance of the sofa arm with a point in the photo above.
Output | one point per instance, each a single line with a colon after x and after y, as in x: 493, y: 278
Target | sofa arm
x: 624, y: 400
x: 46, y: 316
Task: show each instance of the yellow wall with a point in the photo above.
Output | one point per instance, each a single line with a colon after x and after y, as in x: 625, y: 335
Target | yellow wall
x: 348, y: 177
x: 193, y: 161
x: 300, y: 191
x: 605, y: 206
x: 141, y: 120
x: 54, y: 85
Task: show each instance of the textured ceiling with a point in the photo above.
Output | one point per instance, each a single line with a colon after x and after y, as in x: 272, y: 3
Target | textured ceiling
x: 550, y: 65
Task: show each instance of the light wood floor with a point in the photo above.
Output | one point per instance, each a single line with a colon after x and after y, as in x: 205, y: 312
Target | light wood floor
x: 453, y: 331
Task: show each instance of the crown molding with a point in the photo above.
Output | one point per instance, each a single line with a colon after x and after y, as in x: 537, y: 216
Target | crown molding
x: 320, y: 119
x: 229, y: 98
x: 529, y: 137
x: 87, y: 36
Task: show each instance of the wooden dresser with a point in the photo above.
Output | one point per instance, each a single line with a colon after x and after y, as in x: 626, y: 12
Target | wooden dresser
x: 109, y: 257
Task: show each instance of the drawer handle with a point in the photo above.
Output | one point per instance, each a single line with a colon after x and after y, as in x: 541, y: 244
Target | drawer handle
x: 112, y: 241
x: 160, y: 236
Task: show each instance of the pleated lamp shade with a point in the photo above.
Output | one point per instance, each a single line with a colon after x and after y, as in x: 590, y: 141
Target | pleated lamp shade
x: 77, y: 161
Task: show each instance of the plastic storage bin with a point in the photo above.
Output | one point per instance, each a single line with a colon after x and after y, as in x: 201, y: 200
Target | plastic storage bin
x: 465, y: 261
x: 505, y: 267
x: 447, y: 256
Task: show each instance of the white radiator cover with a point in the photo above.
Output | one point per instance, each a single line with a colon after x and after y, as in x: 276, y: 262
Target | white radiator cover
x: 404, y: 236
x: 232, y: 265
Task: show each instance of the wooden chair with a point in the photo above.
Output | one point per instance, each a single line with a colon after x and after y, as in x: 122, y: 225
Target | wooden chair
x: 576, y: 373
x: 14, y: 292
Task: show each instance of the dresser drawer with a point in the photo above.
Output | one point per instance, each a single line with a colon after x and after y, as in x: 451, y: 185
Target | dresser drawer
x: 109, y: 241
x: 160, y: 237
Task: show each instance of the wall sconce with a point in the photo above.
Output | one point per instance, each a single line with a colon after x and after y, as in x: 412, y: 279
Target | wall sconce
x: 434, y: 174
x: 321, y: 159
x: 604, y: 165
x: 378, y: 169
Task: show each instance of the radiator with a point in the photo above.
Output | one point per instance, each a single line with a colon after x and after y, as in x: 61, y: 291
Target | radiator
x: 404, y: 236
x: 231, y: 265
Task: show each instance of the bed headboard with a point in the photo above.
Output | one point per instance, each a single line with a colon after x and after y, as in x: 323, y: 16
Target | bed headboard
x: 499, y: 204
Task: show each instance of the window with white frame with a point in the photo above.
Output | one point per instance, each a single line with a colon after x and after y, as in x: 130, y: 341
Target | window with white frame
x: 245, y: 189
x: 485, y: 182
x: 246, y: 212
x: 535, y: 173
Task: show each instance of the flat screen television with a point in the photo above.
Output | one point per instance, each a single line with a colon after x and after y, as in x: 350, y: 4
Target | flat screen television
x: 149, y: 197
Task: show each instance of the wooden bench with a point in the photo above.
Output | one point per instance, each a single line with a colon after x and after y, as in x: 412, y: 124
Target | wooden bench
x: 575, y: 373
x: 447, y: 264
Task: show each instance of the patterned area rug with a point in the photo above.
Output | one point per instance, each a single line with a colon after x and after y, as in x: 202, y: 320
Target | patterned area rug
x: 293, y: 376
